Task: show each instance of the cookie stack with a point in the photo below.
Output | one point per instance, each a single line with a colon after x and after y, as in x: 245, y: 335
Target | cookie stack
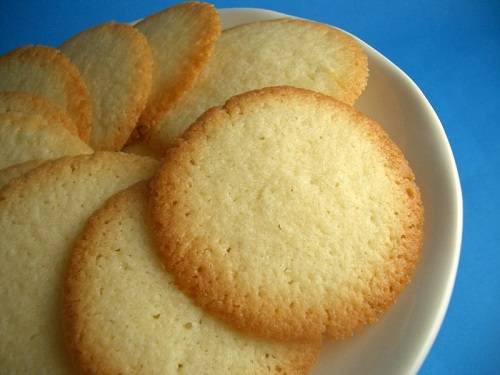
x: 268, y: 215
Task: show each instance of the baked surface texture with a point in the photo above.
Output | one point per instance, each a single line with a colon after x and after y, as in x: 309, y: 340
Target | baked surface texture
x: 182, y: 39
x: 12, y: 101
x: 41, y: 214
x: 116, y: 63
x: 25, y: 137
x: 118, y: 298
x: 46, y: 72
x: 288, y: 214
x: 270, y: 53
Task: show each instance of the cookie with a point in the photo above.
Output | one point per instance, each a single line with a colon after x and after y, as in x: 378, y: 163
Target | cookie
x: 10, y: 173
x: 270, y: 53
x: 288, y: 214
x: 11, y: 101
x: 118, y: 298
x: 27, y: 137
x: 115, y: 62
x: 41, y: 215
x: 46, y: 72
x: 182, y: 39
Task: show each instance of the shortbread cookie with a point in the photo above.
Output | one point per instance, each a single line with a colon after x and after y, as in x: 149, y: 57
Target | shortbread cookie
x: 26, y: 137
x: 41, y: 215
x: 270, y: 53
x: 46, y: 72
x: 288, y: 214
x: 30, y: 104
x: 182, y: 39
x: 15, y: 171
x: 115, y: 62
x: 118, y: 298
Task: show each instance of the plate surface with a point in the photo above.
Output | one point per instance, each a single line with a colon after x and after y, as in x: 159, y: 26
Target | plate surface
x: 400, y: 341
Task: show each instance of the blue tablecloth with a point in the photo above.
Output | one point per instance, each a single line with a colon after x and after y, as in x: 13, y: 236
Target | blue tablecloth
x: 451, y: 49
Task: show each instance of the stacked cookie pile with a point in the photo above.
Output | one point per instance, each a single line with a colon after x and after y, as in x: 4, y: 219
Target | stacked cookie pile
x: 263, y: 213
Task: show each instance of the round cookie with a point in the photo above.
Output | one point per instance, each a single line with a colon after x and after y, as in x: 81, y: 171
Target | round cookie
x: 27, y: 103
x: 14, y: 171
x: 118, y: 298
x: 115, y: 62
x: 288, y: 214
x: 182, y: 39
x: 41, y: 215
x: 27, y: 137
x: 46, y: 72
x: 270, y: 53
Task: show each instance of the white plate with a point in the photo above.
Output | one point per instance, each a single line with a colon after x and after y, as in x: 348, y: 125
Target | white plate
x: 400, y: 341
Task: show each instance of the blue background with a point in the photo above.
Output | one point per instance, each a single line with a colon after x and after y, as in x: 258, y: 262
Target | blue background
x: 451, y: 49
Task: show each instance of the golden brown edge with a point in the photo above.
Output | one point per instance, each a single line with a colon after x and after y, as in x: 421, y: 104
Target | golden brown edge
x: 360, y: 67
x: 153, y: 113
x: 141, y: 51
x: 55, y: 166
x: 40, y: 105
x: 73, y: 313
x: 190, y: 282
x: 78, y: 96
x: 16, y: 119
x: 384, y: 290
x: 17, y: 170
x: 16, y: 188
